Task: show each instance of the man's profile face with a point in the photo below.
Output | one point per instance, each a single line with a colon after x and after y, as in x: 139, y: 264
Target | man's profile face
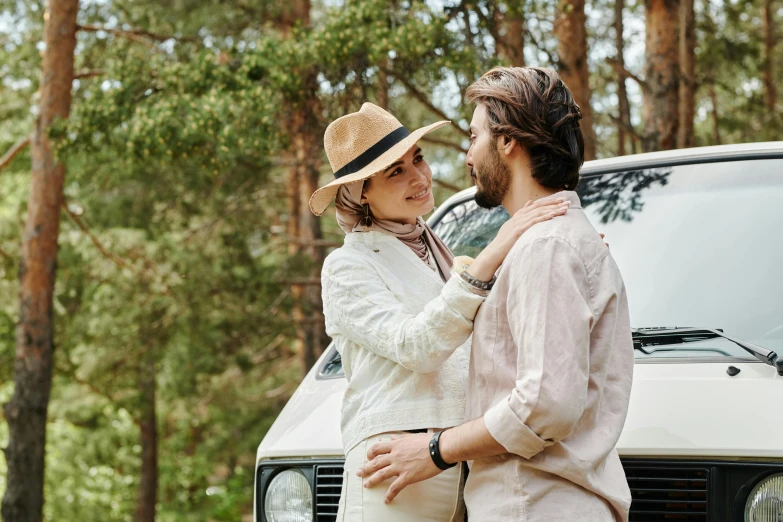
x: 487, y: 167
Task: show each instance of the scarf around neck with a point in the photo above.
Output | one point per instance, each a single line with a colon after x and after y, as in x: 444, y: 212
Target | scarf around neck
x: 420, y: 238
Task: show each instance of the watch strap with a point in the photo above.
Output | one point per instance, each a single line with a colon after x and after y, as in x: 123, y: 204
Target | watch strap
x: 435, y: 453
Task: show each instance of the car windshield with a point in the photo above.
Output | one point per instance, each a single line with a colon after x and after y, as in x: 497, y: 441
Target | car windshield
x: 698, y: 246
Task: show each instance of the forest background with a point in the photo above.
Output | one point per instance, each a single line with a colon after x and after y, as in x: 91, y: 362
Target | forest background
x: 157, y: 157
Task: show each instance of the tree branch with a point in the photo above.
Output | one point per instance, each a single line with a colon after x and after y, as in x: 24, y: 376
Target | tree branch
x: 13, y: 151
x: 71, y: 373
x: 413, y: 91
x: 629, y: 128
x: 491, y: 27
x: 5, y: 254
x: 625, y: 73
x: 446, y: 185
x: 109, y: 255
x: 445, y: 143
x: 552, y: 59
x: 452, y: 11
x: 234, y: 205
x: 130, y: 35
x: 88, y: 74
x: 139, y: 36
x: 277, y: 341
x: 136, y: 35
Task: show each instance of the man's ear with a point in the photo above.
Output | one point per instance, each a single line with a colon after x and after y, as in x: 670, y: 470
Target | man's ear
x: 507, y: 145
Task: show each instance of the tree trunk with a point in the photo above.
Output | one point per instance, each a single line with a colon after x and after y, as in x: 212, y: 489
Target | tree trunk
x: 511, y: 41
x: 624, y: 120
x: 148, y: 485
x: 768, y: 64
x: 687, y: 101
x: 294, y: 246
x: 311, y: 143
x: 27, y: 409
x: 312, y: 328
x: 315, y: 341
x: 716, y: 139
x: 571, y: 37
x: 661, y: 105
x: 383, y: 86
x: 291, y: 13
x: 293, y: 199
x: 304, y: 227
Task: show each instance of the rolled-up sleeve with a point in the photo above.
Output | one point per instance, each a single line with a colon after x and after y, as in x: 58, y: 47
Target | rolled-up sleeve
x: 359, y: 306
x: 550, y: 317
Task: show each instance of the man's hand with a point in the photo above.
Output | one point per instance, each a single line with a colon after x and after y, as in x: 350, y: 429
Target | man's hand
x: 406, y: 457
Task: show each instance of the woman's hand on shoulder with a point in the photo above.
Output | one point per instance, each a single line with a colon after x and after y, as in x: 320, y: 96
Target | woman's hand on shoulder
x: 531, y: 214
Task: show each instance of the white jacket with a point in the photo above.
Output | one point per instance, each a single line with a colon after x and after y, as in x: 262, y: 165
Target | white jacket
x: 404, y: 337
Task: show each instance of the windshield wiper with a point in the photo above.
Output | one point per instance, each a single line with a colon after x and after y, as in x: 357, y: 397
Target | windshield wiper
x: 658, y: 350
x: 662, y: 336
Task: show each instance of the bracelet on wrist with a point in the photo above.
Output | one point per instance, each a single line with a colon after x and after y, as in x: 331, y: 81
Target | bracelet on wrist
x: 472, y: 281
x: 435, y: 453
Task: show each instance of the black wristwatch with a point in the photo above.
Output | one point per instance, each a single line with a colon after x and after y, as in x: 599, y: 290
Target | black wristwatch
x: 435, y: 453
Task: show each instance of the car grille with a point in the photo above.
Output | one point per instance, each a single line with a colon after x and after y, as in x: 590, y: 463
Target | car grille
x: 658, y: 492
x: 328, y: 483
x: 667, y: 493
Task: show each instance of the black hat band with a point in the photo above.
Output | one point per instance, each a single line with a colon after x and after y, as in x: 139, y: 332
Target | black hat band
x: 374, y: 152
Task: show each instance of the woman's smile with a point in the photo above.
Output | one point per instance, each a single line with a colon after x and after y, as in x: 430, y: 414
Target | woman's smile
x: 421, y: 196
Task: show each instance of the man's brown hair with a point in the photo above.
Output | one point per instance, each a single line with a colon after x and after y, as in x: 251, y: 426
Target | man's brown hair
x: 535, y: 108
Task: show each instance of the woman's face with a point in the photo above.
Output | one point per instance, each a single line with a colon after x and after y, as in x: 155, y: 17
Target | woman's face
x: 402, y: 192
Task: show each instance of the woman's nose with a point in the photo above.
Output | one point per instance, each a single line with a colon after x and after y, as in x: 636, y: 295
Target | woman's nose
x: 422, y: 174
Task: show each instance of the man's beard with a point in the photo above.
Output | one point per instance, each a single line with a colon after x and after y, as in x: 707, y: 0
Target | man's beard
x: 495, y: 177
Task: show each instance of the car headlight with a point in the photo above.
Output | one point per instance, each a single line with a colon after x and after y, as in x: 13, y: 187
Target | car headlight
x: 289, y: 498
x: 765, y: 503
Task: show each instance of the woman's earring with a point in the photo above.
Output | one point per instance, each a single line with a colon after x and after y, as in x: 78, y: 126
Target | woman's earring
x: 367, y: 219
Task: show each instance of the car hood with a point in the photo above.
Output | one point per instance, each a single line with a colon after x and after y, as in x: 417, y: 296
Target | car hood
x: 677, y: 409
x: 686, y: 409
x: 309, y: 425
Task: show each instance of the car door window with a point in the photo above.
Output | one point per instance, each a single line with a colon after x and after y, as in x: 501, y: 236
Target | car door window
x: 467, y: 228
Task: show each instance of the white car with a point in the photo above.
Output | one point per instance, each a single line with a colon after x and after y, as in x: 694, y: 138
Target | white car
x: 698, y: 236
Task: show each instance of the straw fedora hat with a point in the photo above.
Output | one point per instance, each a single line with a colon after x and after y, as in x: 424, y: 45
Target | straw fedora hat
x: 361, y: 144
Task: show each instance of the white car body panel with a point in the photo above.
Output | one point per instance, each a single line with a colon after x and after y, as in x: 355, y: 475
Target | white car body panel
x: 720, y: 416
x: 309, y: 425
x: 691, y: 409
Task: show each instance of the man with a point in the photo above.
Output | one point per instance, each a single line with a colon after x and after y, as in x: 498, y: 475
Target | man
x: 552, y: 357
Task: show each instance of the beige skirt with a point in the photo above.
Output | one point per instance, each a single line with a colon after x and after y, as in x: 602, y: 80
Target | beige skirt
x: 438, y: 499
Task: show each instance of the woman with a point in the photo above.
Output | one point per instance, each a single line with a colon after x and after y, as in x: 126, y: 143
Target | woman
x: 399, y: 314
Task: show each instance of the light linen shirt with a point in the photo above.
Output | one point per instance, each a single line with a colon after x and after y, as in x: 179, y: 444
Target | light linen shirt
x: 550, y: 371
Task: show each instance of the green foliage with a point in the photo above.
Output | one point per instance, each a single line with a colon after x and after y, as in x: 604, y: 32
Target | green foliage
x: 172, y: 248
x: 729, y: 58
